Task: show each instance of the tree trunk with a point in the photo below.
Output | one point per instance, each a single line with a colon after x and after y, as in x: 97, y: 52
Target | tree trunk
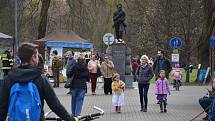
x: 208, y: 25
x: 43, y: 18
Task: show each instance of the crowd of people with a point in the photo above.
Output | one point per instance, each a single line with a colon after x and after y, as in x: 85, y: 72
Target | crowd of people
x: 29, y: 75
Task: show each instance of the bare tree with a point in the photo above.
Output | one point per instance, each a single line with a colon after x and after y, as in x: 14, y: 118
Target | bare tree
x: 43, y: 18
x: 207, y: 29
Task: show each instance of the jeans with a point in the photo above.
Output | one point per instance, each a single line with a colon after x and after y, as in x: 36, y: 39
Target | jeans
x: 143, y: 92
x: 77, y: 100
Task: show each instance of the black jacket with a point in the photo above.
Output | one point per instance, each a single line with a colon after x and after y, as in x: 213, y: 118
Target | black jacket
x: 166, y: 66
x: 81, y: 75
x: 24, y: 74
x: 71, y: 62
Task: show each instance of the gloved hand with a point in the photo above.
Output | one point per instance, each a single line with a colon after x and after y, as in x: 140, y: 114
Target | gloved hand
x: 76, y: 119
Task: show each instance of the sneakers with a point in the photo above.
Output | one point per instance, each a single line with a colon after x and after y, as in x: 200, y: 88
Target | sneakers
x: 161, y: 111
x: 141, y: 110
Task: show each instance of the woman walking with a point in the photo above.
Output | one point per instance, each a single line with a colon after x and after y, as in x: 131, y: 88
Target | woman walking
x: 107, y: 71
x: 93, y: 66
x: 144, y: 74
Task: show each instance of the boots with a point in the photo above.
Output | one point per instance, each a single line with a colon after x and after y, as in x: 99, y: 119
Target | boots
x: 119, y: 109
x: 116, y: 108
x: 161, y: 106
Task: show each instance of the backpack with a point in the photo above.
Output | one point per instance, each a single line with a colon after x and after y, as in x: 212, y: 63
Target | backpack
x: 56, y: 63
x: 24, y: 102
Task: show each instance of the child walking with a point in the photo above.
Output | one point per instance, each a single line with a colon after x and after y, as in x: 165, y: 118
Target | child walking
x: 161, y: 90
x: 118, y: 89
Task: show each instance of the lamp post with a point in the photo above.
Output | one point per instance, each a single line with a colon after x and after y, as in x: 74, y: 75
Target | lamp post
x: 16, y: 25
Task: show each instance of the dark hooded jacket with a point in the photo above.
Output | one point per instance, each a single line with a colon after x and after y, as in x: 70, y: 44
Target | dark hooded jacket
x: 81, y: 75
x: 23, y: 74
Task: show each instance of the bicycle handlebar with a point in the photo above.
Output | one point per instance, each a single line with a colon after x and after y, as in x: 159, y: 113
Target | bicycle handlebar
x: 82, y: 118
x: 91, y: 116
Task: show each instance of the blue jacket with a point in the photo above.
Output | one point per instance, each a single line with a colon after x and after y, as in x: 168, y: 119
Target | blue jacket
x: 211, y: 112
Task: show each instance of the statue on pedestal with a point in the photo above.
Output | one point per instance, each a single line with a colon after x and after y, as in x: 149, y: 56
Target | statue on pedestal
x: 119, y: 23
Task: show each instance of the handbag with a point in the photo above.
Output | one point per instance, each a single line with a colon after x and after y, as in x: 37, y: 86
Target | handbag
x: 69, y: 82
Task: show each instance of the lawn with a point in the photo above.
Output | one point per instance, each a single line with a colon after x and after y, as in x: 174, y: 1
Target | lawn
x: 193, y: 76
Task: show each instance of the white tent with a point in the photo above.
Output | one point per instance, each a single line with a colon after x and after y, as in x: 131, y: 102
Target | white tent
x: 6, y: 40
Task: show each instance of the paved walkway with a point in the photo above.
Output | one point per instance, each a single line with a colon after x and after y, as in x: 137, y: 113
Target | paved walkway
x: 182, y: 105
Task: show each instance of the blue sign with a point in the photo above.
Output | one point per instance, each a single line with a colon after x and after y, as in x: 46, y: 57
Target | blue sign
x: 175, y: 42
x: 212, y: 41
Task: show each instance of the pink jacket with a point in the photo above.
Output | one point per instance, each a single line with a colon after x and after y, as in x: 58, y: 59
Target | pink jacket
x: 177, y: 74
x: 92, y: 66
x: 162, y: 86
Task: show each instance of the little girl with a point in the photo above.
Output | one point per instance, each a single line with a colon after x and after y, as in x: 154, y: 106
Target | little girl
x: 118, y: 89
x: 161, y: 90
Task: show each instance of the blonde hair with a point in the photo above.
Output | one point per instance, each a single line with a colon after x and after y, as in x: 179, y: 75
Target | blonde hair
x: 114, y: 76
x: 144, y: 57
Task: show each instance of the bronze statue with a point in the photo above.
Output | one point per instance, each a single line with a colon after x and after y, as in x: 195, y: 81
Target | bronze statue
x: 119, y: 22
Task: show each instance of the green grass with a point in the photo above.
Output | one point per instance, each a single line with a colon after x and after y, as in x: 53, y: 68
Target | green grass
x: 193, y: 76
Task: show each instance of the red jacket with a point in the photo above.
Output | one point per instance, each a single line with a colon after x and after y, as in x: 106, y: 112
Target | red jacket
x: 134, y: 65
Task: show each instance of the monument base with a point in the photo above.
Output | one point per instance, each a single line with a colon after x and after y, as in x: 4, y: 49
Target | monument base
x: 129, y: 81
x: 120, y: 54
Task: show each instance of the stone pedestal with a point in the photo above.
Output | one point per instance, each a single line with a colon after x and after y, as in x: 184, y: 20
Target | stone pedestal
x: 120, y: 54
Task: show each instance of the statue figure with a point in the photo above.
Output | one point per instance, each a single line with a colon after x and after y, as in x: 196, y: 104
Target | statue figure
x: 119, y: 22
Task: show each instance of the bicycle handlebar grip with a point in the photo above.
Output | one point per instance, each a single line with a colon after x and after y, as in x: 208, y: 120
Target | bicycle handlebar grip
x: 52, y: 118
x: 96, y: 114
x: 89, y: 116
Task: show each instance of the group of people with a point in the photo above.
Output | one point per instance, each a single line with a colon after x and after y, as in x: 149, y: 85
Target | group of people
x: 81, y: 72
x: 145, y: 72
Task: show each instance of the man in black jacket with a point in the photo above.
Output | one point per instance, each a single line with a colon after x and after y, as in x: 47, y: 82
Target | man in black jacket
x: 28, y: 53
x: 161, y: 63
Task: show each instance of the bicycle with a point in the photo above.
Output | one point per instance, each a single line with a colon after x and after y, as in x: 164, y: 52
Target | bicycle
x: 89, y: 117
x: 177, y: 85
